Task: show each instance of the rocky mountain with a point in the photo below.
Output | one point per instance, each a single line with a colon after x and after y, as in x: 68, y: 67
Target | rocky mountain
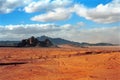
x: 34, y: 42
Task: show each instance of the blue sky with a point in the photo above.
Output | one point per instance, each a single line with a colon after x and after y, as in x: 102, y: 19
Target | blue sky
x: 77, y: 20
x: 18, y: 17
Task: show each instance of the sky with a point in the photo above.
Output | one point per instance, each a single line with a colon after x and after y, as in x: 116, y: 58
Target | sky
x: 90, y: 21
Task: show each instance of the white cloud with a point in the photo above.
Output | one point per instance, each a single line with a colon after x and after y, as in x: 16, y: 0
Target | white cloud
x: 10, y: 32
x: 28, y: 28
x: 67, y: 31
x: 110, y: 35
x: 46, y: 5
x: 55, y: 15
x: 54, y: 10
x: 108, y: 13
x: 17, y: 32
x: 7, y: 6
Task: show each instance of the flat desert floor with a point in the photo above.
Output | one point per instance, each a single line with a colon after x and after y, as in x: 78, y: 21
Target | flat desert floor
x: 92, y: 63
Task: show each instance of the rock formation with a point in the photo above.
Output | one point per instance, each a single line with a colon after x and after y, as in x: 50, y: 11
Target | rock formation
x: 33, y: 42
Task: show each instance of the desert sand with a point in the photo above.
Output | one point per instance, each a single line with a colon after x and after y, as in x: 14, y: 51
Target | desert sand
x: 91, y: 63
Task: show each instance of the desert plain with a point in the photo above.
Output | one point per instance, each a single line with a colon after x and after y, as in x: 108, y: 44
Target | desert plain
x: 64, y: 63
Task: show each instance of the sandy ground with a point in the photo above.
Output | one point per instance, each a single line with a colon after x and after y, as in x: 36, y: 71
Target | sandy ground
x: 93, y: 63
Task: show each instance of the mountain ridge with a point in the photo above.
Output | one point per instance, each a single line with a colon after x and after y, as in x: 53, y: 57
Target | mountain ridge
x: 58, y: 41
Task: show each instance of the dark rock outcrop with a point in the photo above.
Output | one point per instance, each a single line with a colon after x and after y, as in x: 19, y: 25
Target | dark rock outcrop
x: 34, y: 42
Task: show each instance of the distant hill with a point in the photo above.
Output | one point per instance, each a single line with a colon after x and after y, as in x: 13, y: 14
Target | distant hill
x: 103, y: 44
x: 8, y: 43
x: 56, y: 41
x: 60, y: 41
x: 97, y: 44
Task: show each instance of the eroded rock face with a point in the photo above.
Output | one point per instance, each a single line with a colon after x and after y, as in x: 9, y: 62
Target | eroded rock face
x: 33, y: 42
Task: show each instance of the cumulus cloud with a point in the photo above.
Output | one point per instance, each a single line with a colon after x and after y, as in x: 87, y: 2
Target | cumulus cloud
x: 30, y: 6
x: 55, y: 10
x: 110, y: 35
x: 28, y: 28
x: 55, y: 15
x: 108, y: 13
x: 10, y: 32
x: 7, y: 6
x: 17, y: 32
x: 67, y: 31
x: 46, y: 5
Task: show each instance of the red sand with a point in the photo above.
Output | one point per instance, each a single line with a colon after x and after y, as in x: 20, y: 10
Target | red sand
x: 94, y: 63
